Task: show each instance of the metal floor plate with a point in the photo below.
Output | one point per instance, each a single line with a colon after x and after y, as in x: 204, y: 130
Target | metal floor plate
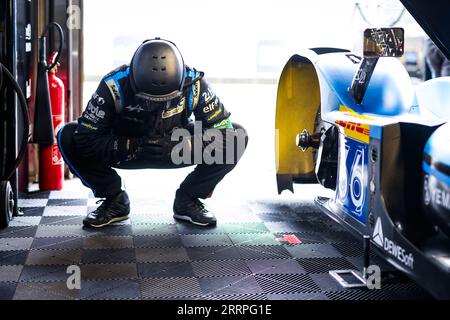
x: 152, y: 256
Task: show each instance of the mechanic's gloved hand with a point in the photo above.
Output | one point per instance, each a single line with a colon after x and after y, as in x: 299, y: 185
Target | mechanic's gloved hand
x: 154, y: 149
x: 125, y: 149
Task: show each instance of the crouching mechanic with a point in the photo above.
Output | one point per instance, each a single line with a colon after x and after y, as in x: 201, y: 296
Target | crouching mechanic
x: 134, y: 121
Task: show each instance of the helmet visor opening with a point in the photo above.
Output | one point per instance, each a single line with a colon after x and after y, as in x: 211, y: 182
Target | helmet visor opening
x: 153, y: 103
x: 159, y: 98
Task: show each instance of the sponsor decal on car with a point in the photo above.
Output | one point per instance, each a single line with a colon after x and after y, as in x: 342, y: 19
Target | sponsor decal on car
x: 436, y: 195
x: 357, y: 131
x: 354, y: 129
x: 392, y: 248
x: 353, y: 179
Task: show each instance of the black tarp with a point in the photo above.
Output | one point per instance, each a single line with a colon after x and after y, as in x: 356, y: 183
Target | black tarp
x: 434, y: 18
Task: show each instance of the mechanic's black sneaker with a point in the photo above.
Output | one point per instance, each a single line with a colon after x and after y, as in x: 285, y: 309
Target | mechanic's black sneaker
x: 192, y: 210
x: 113, y: 209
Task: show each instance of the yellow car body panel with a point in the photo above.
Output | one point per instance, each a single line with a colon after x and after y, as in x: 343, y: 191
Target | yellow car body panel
x: 298, y: 106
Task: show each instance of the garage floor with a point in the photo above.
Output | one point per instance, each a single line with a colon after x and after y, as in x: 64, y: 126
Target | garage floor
x: 150, y: 256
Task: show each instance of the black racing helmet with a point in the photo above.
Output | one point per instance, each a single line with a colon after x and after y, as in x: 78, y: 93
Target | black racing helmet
x: 157, y: 72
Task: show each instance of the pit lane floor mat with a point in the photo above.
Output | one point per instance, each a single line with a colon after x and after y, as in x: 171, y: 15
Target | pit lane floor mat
x: 258, y: 251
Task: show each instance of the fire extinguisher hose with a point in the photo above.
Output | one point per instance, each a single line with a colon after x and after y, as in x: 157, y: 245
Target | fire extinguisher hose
x: 42, y: 48
x: 26, y: 126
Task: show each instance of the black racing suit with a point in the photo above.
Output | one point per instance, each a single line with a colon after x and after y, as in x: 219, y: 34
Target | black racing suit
x: 113, y: 126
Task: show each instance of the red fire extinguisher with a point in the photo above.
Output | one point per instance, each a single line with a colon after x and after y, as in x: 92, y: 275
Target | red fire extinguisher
x: 51, y: 164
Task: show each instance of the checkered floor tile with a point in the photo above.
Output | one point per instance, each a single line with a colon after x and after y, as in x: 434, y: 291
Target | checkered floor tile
x: 151, y: 256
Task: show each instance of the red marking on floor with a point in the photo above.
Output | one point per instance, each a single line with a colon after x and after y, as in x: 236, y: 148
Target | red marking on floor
x: 290, y: 238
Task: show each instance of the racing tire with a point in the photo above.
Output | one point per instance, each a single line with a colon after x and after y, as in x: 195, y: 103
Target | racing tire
x: 6, y: 204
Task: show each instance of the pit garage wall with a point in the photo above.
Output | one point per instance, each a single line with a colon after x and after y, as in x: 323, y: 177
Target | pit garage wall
x: 18, y: 53
x: 32, y: 17
x: 68, y: 13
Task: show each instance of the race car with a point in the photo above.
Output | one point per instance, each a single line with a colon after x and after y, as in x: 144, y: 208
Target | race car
x: 358, y: 126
